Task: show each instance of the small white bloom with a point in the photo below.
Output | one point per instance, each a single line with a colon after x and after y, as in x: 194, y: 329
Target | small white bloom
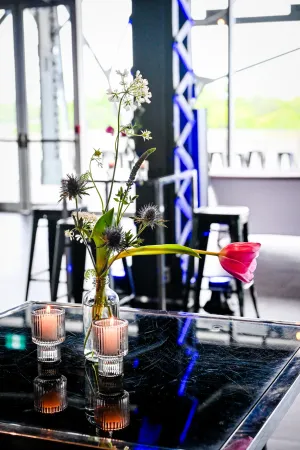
x: 146, y: 135
x: 86, y: 216
x: 69, y: 234
x: 113, y: 95
x: 123, y: 74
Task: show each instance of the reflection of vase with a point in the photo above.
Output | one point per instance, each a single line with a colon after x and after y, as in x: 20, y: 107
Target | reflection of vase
x: 50, y: 394
x: 112, y: 411
x: 111, y: 308
x: 91, y: 386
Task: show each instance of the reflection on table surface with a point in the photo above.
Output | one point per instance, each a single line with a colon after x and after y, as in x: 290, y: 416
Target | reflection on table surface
x: 189, y: 381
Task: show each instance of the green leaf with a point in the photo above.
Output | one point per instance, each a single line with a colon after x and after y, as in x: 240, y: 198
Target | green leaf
x: 159, y: 250
x: 103, y: 222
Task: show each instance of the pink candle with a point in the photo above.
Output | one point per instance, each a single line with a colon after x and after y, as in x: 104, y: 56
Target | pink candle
x: 110, y: 336
x: 48, y: 325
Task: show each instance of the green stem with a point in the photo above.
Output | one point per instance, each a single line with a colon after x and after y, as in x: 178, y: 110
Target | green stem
x: 205, y: 252
x: 76, y: 203
x: 117, y: 155
x: 91, y: 176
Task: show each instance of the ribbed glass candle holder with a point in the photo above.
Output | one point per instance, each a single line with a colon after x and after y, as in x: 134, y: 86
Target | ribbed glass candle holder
x: 50, y: 394
x: 110, y: 340
x: 48, y: 326
x: 112, y: 412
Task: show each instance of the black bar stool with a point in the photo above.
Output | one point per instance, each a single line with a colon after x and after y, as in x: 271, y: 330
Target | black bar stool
x: 236, y: 218
x: 52, y: 213
x: 75, y: 264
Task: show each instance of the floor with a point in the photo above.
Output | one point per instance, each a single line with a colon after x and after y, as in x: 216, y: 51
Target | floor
x: 277, y: 282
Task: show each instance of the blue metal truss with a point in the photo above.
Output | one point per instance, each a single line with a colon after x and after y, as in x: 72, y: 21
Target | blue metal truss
x: 186, y: 152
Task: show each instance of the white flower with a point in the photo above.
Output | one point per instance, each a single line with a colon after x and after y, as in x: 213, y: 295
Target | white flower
x: 86, y: 216
x: 123, y: 74
x: 146, y: 135
x: 113, y: 95
x: 127, y: 103
x: 69, y: 234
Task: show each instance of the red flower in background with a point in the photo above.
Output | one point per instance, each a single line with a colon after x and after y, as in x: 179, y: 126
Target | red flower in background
x: 110, y: 130
x: 239, y: 259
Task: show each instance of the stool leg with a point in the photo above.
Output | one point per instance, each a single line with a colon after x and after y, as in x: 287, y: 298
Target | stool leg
x: 128, y: 273
x: 236, y: 236
x: 202, y: 238
x: 191, y: 264
x: 252, y: 287
x: 78, y: 254
x: 254, y: 299
x: 51, y: 242
x: 58, y: 254
x: 35, y: 221
x: 187, y: 287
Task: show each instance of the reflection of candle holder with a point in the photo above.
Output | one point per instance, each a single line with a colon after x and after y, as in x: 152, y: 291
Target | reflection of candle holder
x: 110, y: 338
x: 112, y: 411
x: 48, y: 331
x: 47, y: 370
x: 50, y: 394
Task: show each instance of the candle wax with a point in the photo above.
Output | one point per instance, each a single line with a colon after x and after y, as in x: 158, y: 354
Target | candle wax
x: 48, y: 326
x: 111, y: 338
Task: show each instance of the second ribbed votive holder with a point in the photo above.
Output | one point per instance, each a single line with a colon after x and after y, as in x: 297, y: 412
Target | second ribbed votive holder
x: 48, y: 332
x: 110, y: 340
x: 50, y: 394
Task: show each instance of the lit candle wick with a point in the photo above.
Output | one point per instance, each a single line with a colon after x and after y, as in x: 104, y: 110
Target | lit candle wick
x: 111, y: 323
x: 48, y: 309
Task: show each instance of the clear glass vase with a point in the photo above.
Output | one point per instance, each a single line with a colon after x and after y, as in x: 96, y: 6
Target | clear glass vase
x: 110, y: 308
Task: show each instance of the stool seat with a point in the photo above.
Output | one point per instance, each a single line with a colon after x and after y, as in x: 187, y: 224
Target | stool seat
x: 224, y: 214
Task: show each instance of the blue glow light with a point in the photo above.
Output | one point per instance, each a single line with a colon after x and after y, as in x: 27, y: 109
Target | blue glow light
x: 184, y: 331
x: 188, y: 421
x: 187, y: 374
x: 149, y: 432
x: 135, y: 363
x: 69, y: 268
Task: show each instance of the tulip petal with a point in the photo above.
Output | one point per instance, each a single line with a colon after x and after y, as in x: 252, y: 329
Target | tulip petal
x: 237, y: 269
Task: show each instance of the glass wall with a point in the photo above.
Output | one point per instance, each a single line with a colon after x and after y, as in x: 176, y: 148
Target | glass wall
x: 264, y: 111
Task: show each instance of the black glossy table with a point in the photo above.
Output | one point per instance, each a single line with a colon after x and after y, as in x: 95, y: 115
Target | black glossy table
x: 194, y: 382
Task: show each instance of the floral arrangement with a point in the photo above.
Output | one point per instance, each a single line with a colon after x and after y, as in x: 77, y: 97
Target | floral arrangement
x: 106, y: 231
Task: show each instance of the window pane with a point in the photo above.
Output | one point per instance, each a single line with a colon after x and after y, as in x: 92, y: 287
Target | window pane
x: 267, y: 96
x: 210, y: 62
x: 9, y: 167
x: 108, y: 46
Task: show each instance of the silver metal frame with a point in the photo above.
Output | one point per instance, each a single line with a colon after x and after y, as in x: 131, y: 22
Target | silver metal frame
x: 191, y: 177
x: 17, y: 8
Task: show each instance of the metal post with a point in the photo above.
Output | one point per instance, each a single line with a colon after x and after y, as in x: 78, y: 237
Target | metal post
x: 231, y: 22
x: 21, y: 103
x: 51, y: 85
x: 161, y: 259
x: 77, y: 38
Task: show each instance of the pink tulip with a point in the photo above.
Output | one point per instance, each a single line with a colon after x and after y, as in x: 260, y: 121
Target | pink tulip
x: 241, y: 444
x: 239, y: 259
x: 110, y: 130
